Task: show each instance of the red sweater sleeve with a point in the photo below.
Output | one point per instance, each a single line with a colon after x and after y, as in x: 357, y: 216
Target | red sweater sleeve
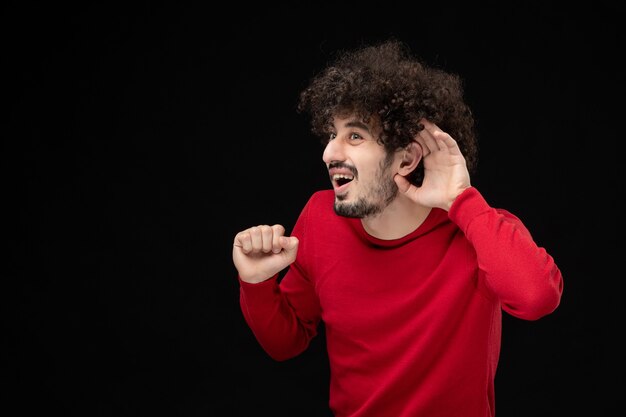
x: 522, y: 275
x: 283, y: 316
x: 273, y: 321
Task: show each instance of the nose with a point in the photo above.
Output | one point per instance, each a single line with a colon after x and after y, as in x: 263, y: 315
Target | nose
x: 333, y: 152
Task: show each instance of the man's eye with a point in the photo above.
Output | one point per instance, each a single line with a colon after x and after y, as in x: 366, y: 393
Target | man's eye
x: 332, y: 136
x: 355, y: 136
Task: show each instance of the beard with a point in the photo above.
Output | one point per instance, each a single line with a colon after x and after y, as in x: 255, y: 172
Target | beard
x: 376, y: 198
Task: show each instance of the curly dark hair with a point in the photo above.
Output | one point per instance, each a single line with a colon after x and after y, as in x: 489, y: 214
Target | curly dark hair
x: 385, y: 81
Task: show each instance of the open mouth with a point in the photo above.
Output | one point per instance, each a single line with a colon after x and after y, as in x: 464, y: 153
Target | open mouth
x: 341, y: 181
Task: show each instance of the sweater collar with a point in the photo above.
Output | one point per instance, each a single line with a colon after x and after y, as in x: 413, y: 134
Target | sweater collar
x: 435, y: 218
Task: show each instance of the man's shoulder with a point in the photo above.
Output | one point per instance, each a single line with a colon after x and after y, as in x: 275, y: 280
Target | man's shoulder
x: 321, y: 203
x: 322, y: 196
x: 318, y: 218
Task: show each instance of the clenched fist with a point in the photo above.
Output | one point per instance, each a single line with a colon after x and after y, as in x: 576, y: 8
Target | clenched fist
x: 261, y: 252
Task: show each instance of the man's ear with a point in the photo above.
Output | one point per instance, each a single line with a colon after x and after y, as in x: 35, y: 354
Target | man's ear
x: 411, y: 156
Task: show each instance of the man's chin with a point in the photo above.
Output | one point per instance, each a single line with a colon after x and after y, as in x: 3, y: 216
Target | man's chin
x: 343, y: 211
x: 346, y: 209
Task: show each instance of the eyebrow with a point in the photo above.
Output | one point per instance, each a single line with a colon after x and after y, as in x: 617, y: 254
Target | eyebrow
x: 358, y: 124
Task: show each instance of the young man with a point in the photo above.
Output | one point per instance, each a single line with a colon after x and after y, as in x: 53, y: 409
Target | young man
x: 404, y: 260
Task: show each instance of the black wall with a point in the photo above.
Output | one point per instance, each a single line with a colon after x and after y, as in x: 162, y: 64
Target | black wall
x: 141, y: 138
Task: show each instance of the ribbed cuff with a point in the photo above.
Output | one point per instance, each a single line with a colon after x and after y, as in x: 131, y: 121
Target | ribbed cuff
x: 467, y: 206
x: 259, y: 290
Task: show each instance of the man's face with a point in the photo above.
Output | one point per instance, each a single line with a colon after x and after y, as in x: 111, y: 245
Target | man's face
x: 360, y: 169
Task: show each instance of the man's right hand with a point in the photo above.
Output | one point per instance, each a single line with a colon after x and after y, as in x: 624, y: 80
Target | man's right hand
x: 261, y: 252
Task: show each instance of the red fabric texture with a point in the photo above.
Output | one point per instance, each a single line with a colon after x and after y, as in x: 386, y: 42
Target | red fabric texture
x: 413, y: 325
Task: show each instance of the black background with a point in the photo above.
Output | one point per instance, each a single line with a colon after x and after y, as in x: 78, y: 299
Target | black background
x: 141, y: 138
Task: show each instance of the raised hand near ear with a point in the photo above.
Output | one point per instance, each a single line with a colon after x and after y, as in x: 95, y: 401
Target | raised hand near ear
x: 445, y: 172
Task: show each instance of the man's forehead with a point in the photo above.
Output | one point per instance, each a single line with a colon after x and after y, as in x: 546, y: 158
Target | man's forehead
x: 354, y: 121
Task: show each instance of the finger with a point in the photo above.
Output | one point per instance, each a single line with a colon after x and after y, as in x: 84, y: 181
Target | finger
x: 442, y: 145
x: 277, y: 231
x: 256, y: 239
x: 447, y: 144
x: 289, y: 243
x: 427, y: 141
x: 443, y: 139
x: 243, y: 240
x: 266, y: 238
x: 403, y: 184
x: 430, y: 126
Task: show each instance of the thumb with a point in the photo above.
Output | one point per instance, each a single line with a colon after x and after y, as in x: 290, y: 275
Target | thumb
x: 403, y: 184
x: 289, y: 243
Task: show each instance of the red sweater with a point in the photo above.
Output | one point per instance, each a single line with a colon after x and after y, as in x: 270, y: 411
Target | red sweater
x: 413, y: 325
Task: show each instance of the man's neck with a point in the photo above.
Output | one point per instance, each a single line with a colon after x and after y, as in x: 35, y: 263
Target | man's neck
x: 397, y: 220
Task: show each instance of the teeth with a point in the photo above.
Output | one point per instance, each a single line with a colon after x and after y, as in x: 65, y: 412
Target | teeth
x: 342, y: 176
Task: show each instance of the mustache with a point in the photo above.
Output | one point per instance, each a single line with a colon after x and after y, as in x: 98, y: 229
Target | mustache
x: 344, y: 166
